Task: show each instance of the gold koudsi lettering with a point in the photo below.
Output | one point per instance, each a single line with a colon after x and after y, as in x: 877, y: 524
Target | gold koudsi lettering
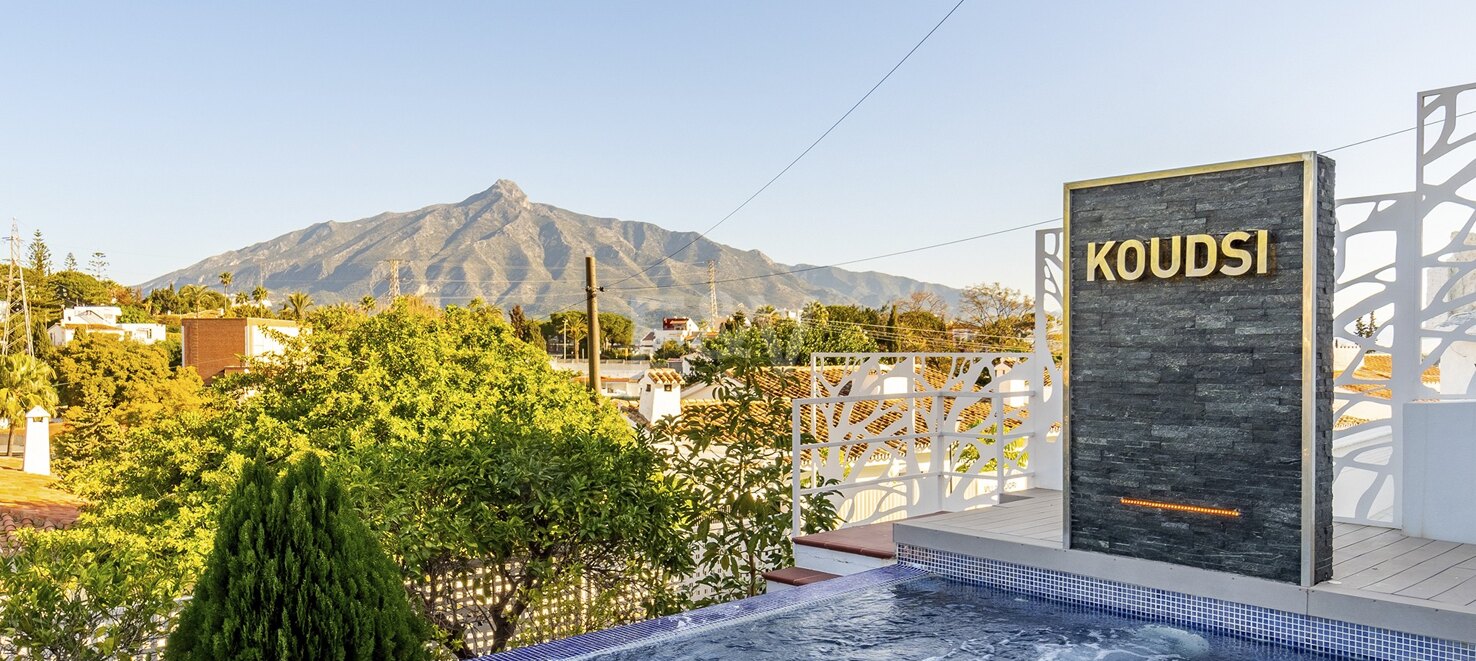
x: 1177, y: 243
x: 1194, y: 256
x: 1230, y: 248
x: 1263, y: 253
x: 1211, y: 255
x: 1131, y: 270
x: 1097, y: 260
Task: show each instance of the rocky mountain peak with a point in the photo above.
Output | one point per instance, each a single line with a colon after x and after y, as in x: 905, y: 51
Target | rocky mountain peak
x: 505, y: 190
x: 498, y: 246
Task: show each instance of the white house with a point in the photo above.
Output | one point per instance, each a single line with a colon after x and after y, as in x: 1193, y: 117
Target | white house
x: 674, y: 329
x: 103, y: 320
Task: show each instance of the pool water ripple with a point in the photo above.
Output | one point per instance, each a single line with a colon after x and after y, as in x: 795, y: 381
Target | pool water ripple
x: 932, y: 618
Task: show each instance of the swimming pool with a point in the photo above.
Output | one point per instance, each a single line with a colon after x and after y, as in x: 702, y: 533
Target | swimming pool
x: 910, y: 615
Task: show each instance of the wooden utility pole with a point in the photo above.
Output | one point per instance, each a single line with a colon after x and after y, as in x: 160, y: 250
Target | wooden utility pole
x: 712, y: 291
x: 592, y: 292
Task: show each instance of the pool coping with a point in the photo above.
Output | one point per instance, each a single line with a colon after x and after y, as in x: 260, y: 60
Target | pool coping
x: 637, y: 634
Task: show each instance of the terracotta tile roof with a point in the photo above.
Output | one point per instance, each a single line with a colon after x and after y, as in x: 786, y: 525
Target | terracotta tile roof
x: 1375, y: 370
x: 663, y: 375
x: 1381, y: 365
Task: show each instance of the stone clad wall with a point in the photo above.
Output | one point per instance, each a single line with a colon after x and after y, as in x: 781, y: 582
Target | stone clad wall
x: 1188, y: 390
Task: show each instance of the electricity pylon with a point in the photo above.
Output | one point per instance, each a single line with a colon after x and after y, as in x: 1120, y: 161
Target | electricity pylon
x: 17, y: 326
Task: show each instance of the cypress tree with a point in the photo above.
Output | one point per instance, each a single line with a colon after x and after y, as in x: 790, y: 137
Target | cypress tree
x: 295, y: 574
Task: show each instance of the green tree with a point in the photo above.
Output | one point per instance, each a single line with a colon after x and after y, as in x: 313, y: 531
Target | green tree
x: 671, y: 349
x: 733, y: 456
x: 82, y: 596
x: 297, y: 306
x: 820, y: 334
x: 25, y: 383
x: 466, y: 450
x: 98, y: 265
x: 295, y: 574
x: 566, y: 330
x: 164, y: 481
x: 165, y: 301
x: 888, y: 339
x: 854, y: 314
x: 616, y: 329
x: 38, y: 255
x: 191, y: 298
x: 135, y: 314
x: 226, y: 278
x: 573, y: 327
x: 70, y: 263
x: 259, y: 295
x: 1003, y: 317
x: 133, y: 382
x: 921, y: 330
x: 368, y: 303
x: 72, y: 289
x: 519, y: 322
x: 764, y: 315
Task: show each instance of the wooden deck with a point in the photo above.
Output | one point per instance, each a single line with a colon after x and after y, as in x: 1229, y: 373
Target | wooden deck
x: 1368, y: 558
x: 1382, y: 560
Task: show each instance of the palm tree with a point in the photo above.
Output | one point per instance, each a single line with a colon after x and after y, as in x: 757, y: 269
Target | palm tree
x: 189, y: 297
x: 297, y: 305
x: 368, y: 303
x: 226, y: 277
x: 25, y: 383
x: 259, y: 297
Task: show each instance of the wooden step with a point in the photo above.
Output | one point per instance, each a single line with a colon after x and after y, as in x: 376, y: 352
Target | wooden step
x: 796, y: 576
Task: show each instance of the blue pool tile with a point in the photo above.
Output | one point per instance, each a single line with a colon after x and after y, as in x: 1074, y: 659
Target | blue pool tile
x: 1256, y: 623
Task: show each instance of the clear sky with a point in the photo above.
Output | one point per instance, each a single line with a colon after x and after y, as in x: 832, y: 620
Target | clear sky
x: 164, y: 133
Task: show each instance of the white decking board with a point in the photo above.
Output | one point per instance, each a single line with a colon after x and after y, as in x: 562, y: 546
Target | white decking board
x: 1380, y: 576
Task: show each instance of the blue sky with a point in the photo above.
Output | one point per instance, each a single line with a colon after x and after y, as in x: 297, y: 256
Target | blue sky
x: 165, y: 133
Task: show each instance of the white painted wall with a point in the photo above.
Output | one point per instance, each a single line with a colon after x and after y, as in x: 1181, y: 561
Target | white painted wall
x: 1440, y: 470
x: 659, y: 400
x: 38, y: 442
x: 262, y: 338
x: 1458, y: 369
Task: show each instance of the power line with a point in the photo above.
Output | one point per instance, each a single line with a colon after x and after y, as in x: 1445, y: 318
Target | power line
x: 1390, y: 135
x: 847, y: 262
x: 913, y: 329
x: 807, y: 150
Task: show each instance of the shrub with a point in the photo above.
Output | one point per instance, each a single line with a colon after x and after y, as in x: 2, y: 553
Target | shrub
x: 296, y: 575
x: 81, y: 596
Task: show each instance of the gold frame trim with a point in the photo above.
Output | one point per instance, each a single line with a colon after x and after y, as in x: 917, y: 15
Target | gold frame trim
x: 1310, y: 205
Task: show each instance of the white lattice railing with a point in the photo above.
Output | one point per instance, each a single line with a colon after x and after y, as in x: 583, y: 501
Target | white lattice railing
x: 895, y: 435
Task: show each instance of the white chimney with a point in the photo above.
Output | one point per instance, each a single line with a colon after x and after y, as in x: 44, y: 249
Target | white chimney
x: 661, y: 393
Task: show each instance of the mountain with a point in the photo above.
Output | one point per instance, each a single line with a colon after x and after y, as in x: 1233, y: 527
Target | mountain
x: 501, y: 247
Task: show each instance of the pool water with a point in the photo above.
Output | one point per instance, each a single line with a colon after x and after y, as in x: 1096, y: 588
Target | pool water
x: 934, y: 618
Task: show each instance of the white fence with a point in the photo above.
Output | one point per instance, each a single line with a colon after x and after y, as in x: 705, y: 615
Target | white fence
x: 887, y: 436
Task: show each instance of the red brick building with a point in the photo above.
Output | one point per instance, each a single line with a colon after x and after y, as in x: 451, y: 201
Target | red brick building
x: 221, y: 346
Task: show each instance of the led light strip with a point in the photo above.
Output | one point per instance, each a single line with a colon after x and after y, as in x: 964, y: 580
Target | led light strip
x: 1194, y: 509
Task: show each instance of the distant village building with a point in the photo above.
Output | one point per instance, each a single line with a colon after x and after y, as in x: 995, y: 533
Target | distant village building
x: 223, y: 346
x: 675, y: 329
x: 101, y: 320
